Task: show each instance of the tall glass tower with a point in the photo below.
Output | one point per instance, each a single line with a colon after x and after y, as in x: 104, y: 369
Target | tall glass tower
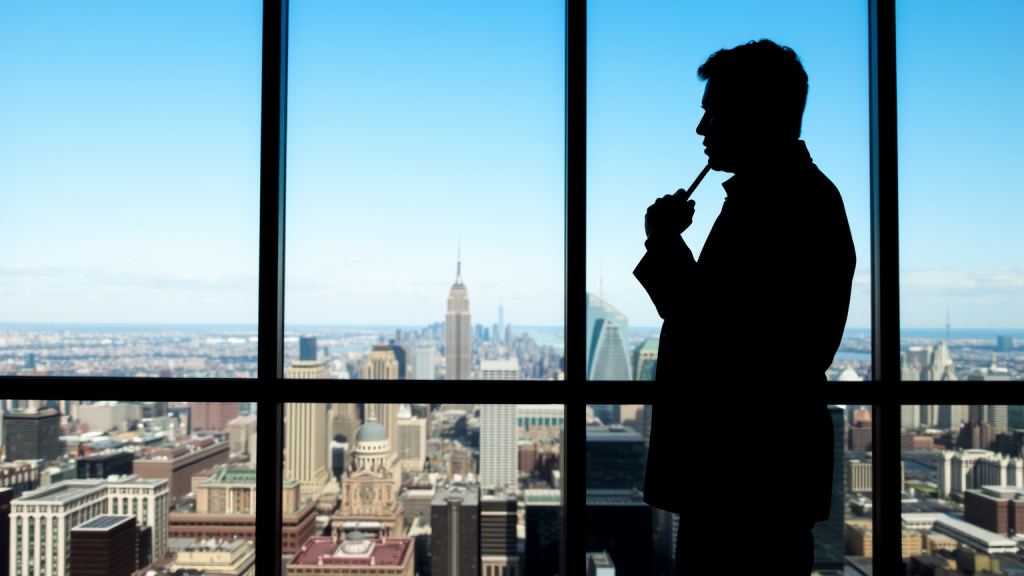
x: 607, y: 341
x: 457, y: 329
x: 499, y: 449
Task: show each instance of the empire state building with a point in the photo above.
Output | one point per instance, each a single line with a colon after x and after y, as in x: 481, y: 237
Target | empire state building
x: 457, y: 329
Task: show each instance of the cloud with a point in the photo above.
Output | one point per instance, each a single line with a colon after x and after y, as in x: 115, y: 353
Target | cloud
x: 980, y: 283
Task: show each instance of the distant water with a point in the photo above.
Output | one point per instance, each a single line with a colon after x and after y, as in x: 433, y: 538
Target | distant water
x: 92, y: 327
x: 553, y: 335
x: 956, y: 333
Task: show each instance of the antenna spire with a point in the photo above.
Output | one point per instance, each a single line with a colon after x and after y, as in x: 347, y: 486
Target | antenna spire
x: 458, y: 266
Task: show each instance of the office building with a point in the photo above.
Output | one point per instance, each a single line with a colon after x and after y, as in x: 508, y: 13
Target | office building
x: 103, y: 464
x: 828, y: 535
x: 607, y: 342
x: 498, y: 556
x: 153, y: 409
x: 498, y: 446
x: 20, y: 476
x: 857, y: 538
x: 298, y: 517
x: 600, y: 564
x: 607, y: 413
x: 212, y: 416
x: 307, y: 349
x: 239, y: 431
x: 358, y: 553
x: 32, y: 435
x: 999, y: 509
x: 306, y: 446
x: 543, y: 531
x: 368, y: 488
x: 539, y: 421
x: 423, y: 365
x: 860, y: 436
x: 962, y: 469
x: 645, y: 360
x: 224, y: 507
x: 104, y: 416
x: 399, y: 350
x: 616, y: 458
x: 216, y: 557
x: 412, y: 442
x: 953, y: 416
x: 6, y: 495
x: 67, y: 504
x: 619, y: 523
x: 857, y: 475
x: 976, y: 435
x: 382, y: 364
x: 457, y: 330
x: 455, y: 525
x: 177, y: 463
x: 1004, y: 344
x: 505, y: 369
x: 103, y: 546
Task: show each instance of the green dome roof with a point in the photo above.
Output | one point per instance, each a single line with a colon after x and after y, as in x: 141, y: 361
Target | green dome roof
x: 371, y: 432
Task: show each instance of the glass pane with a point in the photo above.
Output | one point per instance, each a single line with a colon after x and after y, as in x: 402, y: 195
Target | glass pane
x: 961, y: 267
x: 643, y: 110
x: 410, y: 133
x: 383, y: 477
x: 130, y: 155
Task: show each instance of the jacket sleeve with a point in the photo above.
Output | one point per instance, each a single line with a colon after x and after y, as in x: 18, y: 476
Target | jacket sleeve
x: 668, y: 261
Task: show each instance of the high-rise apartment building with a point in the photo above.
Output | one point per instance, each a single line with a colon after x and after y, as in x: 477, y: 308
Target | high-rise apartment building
x: 213, y: 416
x: 103, y: 546
x: 412, y: 442
x: 32, y: 435
x: 499, y: 449
x: 67, y: 504
x: 455, y: 529
x: 498, y: 520
x: 458, y: 334
x: 607, y: 342
x: 306, y: 446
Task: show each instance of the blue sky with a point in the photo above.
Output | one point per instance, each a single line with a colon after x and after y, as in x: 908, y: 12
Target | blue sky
x: 129, y: 154
x: 129, y: 161
x: 961, y: 140
x: 643, y: 107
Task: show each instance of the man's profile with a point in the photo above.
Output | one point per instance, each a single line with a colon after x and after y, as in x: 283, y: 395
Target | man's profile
x: 764, y: 305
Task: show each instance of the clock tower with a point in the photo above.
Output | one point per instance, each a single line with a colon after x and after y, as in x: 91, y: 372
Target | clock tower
x: 368, y: 488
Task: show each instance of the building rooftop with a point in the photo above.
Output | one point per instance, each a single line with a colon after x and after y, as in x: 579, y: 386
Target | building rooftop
x: 104, y: 522
x: 212, y: 545
x: 615, y: 498
x: 71, y: 489
x: 102, y: 456
x: 232, y: 476
x: 613, y: 433
x: 470, y: 494
x: 542, y: 496
x: 382, y: 552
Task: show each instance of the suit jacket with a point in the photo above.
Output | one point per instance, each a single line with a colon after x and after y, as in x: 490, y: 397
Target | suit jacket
x: 764, y: 306
x: 770, y: 294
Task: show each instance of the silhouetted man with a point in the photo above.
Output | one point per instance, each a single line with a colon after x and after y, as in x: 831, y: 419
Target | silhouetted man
x: 764, y: 306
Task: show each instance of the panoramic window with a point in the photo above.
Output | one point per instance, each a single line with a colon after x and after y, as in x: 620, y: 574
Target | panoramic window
x: 130, y: 150
x: 422, y: 488
x: 643, y: 108
x: 960, y: 198
x: 425, y: 191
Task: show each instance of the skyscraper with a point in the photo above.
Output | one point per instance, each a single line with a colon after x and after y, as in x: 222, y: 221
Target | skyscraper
x: 307, y: 366
x: 828, y: 535
x: 498, y: 447
x: 423, y: 367
x: 212, y: 415
x: 607, y: 341
x: 307, y: 348
x: 458, y: 334
x: 455, y: 531
x: 501, y: 321
x: 382, y: 364
x: 306, y: 446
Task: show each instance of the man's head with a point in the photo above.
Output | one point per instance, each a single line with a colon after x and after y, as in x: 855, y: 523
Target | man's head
x: 753, y: 102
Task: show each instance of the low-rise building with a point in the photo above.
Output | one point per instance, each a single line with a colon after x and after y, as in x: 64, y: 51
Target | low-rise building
x: 355, y: 555
x: 217, y: 558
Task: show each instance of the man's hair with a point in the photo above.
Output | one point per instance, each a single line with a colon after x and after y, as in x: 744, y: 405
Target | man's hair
x: 763, y: 76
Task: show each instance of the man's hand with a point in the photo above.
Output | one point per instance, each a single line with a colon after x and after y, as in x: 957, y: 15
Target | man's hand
x: 671, y: 213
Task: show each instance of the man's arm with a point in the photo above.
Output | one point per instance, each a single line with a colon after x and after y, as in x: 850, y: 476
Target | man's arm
x: 667, y: 272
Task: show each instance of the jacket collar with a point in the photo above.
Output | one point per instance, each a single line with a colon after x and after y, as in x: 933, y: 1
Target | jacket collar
x: 778, y: 165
